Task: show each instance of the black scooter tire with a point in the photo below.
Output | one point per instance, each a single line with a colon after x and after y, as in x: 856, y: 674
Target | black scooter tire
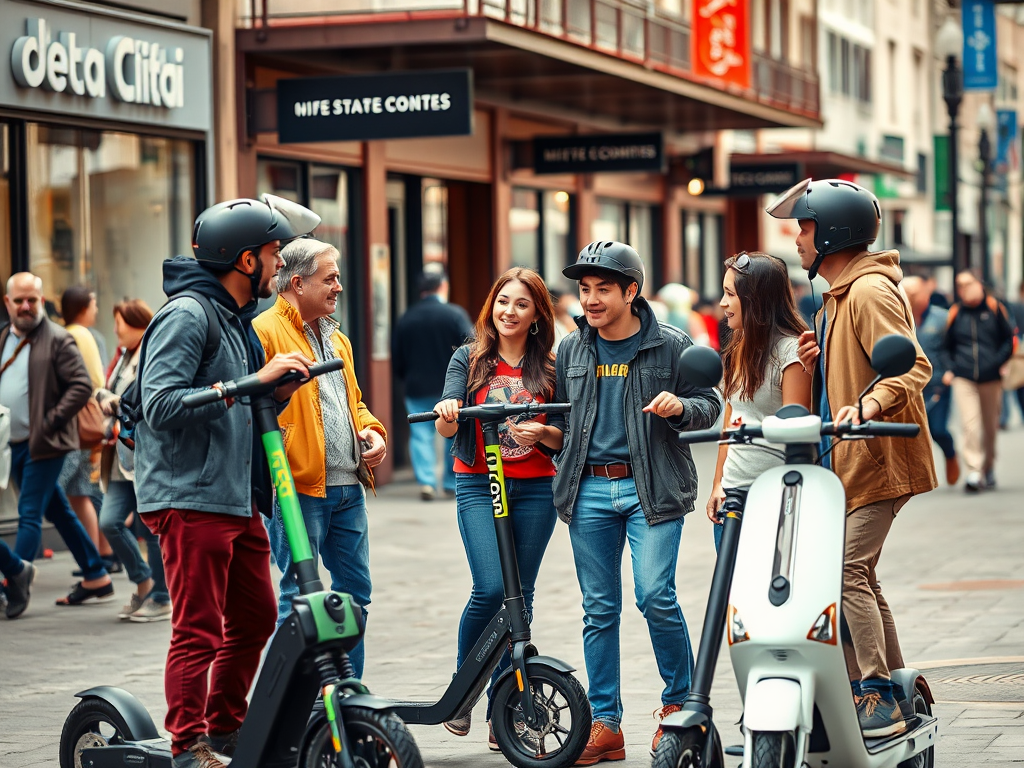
x: 82, y: 729
x: 774, y: 749
x: 924, y: 759
x: 548, y: 685
x: 378, y: 740
x: 682, y: 749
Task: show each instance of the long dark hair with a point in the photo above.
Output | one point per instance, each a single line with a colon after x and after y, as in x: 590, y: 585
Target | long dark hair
x: 538, y: 362
x: 769, y: 313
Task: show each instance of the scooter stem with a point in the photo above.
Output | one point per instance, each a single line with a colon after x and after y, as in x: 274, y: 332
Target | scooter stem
x: 303, y: 565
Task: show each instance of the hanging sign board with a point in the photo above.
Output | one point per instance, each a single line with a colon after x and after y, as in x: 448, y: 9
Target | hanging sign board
x: 391, y: 105
x: 980, y: 62
x: 720, y: 41
x: 599, y: 153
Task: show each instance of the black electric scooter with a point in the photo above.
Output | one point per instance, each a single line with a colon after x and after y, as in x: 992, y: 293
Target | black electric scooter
x: 540, y: 713
x: 307, y: 657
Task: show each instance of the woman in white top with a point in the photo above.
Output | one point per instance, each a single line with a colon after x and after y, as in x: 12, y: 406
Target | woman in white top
x: 761, y: 370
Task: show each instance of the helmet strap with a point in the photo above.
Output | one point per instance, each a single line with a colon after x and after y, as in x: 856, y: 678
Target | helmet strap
x: 254, y: 278
x: 812, y: 271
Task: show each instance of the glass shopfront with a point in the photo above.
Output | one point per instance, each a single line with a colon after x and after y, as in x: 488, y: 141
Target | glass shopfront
x: 539, y: 224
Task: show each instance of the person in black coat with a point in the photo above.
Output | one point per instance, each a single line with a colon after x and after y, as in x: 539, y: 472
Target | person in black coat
x: 425, y: 338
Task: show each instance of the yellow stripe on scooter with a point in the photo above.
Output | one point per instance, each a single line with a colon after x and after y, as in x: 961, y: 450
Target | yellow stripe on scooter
x: 519, y: 680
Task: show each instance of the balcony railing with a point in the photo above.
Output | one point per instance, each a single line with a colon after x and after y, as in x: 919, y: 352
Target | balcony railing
x: 627, y: 29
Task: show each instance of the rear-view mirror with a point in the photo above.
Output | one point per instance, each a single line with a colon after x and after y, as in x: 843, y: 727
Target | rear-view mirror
x: 701, y: 366
x: 893, y: 355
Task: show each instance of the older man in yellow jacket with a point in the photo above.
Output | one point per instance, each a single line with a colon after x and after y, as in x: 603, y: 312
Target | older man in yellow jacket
x: 331, y: 438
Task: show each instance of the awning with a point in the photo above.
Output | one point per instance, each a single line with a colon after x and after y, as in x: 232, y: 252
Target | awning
x: 824, y: 164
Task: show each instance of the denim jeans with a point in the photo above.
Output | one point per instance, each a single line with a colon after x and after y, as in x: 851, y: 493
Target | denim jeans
x: 423, y: 447
x: 10, y: 563
x: 338, y: 534
x: 532, y: 513
x: 119, y: 503
x: 607, y: 513
x: 937, y: 399
x: 39, y: 495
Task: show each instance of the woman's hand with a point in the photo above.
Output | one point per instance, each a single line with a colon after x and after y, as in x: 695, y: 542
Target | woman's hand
x: 715, y: 503
x: 448, y: 410
x: 526, y: 433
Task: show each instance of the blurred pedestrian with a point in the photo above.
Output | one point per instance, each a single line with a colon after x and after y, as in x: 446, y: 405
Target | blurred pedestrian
x: 979, y: 339
x: 424, y: 340
x: 331, y: 438
x: 45, y: 386
x: 931, y: 321
x: 567, y: 309
x: 78, y: 307
x: 19, y: 575
x: 151, y: 600
x: 510, y: 361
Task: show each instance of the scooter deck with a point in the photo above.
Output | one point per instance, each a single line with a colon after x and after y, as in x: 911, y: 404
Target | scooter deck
x: 919, y: 726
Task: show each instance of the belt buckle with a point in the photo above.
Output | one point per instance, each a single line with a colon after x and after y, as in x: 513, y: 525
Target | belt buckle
x: 613, y: 474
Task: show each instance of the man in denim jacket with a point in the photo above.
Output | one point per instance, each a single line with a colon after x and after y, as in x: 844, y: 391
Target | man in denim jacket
x: 623, y: 474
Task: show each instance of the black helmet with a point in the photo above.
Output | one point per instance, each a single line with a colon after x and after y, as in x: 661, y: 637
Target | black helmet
x: 223, y: 232
x: 844, y: 213
x: 611, y: 256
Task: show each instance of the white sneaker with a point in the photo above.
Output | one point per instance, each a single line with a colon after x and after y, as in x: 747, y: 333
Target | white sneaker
x: 150, y: 610
x: 130, y: 607
x: 974, y: 482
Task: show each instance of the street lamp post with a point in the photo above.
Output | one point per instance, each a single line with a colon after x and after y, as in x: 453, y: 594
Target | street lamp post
x: 986, y: 122
x: 949, y: 44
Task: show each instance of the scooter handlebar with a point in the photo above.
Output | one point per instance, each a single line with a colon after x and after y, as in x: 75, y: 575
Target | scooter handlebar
x: 251, y: 385
x: 496, y: 411
x: 871, y: 429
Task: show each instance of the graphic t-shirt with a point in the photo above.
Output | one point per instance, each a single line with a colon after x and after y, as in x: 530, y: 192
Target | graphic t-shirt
x: 518, y: 461
x: 608, y: 438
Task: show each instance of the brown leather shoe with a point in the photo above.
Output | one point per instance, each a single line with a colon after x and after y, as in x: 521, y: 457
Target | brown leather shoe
x: 604, y: 744
x: 661, y: 714
x: 952, y: 470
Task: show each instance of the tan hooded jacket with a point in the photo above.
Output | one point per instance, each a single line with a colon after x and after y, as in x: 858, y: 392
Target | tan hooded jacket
x: 864, y: 304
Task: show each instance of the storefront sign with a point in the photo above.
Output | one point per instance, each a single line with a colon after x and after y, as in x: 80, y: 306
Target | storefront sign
x: 980, y: 62
x: 720, y: 41
x: 600, y: 153
x: 105, y: 64
x: 762, y: 179
x: 395, y: 105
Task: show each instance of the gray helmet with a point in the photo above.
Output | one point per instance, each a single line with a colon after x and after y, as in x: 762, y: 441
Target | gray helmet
x: 223, y: 232
x: 844, y: 213
x: 610, y: 256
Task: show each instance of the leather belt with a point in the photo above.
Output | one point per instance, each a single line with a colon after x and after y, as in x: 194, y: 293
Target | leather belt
x: 610, y: 471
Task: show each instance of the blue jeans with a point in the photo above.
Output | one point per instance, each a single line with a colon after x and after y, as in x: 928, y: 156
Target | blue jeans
x: 118, y: 504
x: 10, y: 563
x: 532, y: 512
x: 937, y: 399
x: 422, y: 446
x: 39, y: 495
x: 607, y: 513
x: 338, y: 534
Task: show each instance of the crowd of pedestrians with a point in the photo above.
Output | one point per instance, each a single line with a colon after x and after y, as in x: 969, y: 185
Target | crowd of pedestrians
x: 612, y: 470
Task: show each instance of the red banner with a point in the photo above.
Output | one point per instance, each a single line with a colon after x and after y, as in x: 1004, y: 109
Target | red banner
x: 720, y: 44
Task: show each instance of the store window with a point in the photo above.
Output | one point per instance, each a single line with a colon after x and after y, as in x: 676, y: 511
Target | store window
x: 435, y: 222
x: 632, y: 223
x: 702, y: 252
x: 325, y: 190
x: 539, y: 222
x: 6, y: 262
x: 105, y: 209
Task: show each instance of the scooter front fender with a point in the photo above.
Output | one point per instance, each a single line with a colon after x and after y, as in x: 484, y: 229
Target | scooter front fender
x: 773, y: 704
x: 136, y: 717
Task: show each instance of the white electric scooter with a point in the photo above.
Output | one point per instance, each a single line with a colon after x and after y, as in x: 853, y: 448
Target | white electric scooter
x: 784, y: 609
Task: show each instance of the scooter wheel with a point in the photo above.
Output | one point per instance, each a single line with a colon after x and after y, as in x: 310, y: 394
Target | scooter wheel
x: 378, y: 740
x: 563, y: 711
x: 92, y: 723
x: 682, y: 749
x: 924, y: 759
x: 774, y: 749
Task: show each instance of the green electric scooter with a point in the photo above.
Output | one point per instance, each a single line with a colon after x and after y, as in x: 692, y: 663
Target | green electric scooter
x: 307, y: 657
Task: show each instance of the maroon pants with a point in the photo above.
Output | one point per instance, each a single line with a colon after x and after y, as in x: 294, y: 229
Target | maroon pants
x: 218, y: 574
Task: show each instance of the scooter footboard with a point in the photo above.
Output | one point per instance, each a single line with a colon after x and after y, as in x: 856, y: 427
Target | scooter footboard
x: 773, y: 704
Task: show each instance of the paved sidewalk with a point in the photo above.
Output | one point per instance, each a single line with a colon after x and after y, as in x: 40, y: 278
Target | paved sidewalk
x: 939, y: 543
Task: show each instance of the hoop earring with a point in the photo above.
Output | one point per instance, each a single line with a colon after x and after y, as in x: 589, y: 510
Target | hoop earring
x: 534, y: 328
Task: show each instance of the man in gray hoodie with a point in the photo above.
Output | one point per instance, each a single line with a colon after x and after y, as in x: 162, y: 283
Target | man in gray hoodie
x: 200, y: 478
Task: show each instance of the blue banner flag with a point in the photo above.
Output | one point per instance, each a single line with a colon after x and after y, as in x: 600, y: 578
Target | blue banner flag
x: 1006, y: 142
x: 980, y: 63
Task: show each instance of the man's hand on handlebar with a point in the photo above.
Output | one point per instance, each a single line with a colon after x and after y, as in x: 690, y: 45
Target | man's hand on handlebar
x: 851, y: 413
x: 278, y: 366
x: 377, y: 448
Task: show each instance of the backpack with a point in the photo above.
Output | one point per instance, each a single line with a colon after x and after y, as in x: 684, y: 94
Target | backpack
x: 129, y: 414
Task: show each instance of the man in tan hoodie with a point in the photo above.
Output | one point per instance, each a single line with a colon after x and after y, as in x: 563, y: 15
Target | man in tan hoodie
x: 838, y: 220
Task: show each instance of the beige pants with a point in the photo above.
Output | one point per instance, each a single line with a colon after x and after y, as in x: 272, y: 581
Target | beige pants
x: 876, y: 649
x: 979, y: 406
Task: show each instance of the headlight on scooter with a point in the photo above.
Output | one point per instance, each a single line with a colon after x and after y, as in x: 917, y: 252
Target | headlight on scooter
x: 824, y: 628
x: 737, y: 632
